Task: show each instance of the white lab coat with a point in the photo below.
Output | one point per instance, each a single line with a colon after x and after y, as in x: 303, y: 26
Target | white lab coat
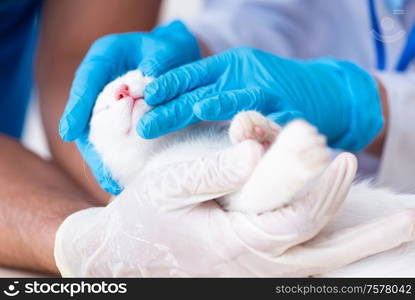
x: 336, y: 28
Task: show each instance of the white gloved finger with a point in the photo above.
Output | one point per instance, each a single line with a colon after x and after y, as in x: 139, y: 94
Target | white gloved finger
x: 327, y: 253
x: 274, y: 232
x: 323, y: 254
x: 205, y: 178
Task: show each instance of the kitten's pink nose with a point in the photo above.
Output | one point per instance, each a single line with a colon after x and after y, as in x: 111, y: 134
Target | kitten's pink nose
x: 122, y: 92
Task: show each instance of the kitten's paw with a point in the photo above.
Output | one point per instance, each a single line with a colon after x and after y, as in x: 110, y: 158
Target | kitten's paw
x: 298, y: 156
x: 253, y: 125
x: 304, y: 148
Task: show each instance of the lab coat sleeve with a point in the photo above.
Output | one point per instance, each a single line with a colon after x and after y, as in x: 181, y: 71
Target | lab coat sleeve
x: 397, y: 167
x: 294, y: 28
x: 226, y: 24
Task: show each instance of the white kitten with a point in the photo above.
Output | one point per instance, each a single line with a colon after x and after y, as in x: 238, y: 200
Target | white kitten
x: 112, y: 132
x: 295, y: 156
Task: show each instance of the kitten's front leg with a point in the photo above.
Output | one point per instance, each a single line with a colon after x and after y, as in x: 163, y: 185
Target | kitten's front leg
x: 298, y: 156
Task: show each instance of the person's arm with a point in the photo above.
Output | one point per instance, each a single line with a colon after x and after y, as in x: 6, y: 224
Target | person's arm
x: 35, y: 198
x: 376, y: 147
x: 68, y: 29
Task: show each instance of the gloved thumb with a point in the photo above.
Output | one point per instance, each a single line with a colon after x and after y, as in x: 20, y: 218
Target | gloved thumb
x: 156, y: 65
x: 170, y: 46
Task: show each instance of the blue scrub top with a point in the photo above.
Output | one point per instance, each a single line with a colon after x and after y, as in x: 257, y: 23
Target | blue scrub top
x: 18, y: 34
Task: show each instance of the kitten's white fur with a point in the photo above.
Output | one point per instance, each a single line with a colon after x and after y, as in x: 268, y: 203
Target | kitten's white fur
x: 299, y: 153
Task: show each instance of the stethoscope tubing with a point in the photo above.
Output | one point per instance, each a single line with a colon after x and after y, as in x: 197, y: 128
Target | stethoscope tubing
x: 408, y: 52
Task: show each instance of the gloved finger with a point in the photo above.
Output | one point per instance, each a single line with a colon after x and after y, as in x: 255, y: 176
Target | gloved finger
x: 182, y: 80
x: 158, y: 61
x: 171, y: 116
x: 164, y: 57
x: 157, y: 64
x: 99, y: 170
x: 90, y: 79
x: 327, y: 253
x: 225, y: 105
x: 284, y: 117
x: 206, y: 178
x: 275, y: 232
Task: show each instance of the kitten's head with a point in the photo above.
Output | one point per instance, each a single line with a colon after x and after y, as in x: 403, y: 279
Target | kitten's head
x: 120, y: 104
x: 113, y: 124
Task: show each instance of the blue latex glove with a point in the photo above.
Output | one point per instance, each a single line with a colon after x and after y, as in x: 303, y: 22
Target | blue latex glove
x: 338, y: 97
x: 153, y: 53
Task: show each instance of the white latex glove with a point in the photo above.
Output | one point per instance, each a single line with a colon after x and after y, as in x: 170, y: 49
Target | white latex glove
x: 135, y: 236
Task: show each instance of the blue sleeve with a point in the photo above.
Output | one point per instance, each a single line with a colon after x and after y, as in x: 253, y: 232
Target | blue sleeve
x: 18, y: 35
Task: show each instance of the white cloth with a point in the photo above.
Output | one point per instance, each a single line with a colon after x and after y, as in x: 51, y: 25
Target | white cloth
x: 397, y: 167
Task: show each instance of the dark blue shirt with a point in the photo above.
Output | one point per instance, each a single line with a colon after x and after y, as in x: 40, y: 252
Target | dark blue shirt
x: 18, y: 34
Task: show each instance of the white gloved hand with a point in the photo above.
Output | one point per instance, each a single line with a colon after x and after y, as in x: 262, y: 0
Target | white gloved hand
x: 135, y: 236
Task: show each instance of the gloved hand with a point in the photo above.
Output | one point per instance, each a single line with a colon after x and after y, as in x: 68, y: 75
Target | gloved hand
x: 338, y: 97
x: 153, y: 53
x: 136, y: 235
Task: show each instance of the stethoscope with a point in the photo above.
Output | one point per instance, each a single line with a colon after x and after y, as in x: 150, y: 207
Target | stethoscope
x: 408, y: 52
